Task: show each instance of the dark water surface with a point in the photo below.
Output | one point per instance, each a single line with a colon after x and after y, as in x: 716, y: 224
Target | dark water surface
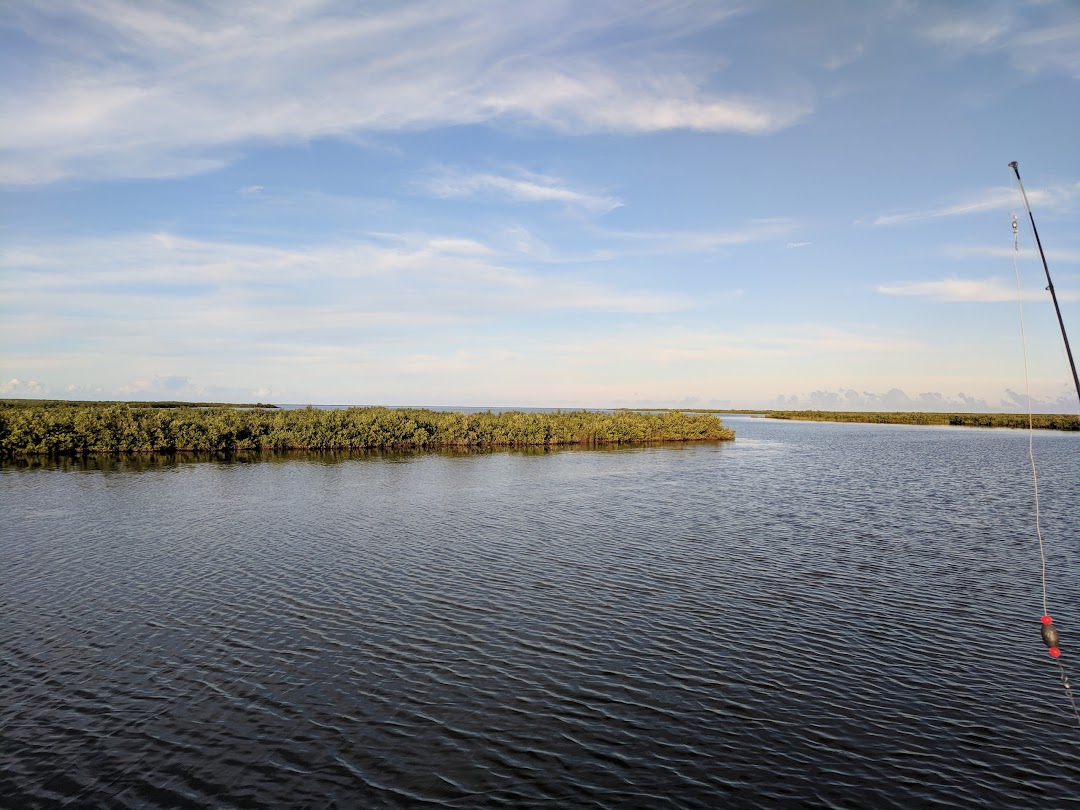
x: 814, y: 615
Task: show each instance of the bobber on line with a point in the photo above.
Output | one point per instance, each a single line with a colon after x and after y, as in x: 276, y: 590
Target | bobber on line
x: 1050, y: 636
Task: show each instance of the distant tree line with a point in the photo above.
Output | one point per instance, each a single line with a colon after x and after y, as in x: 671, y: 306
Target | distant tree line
x: 67, y: 403
x: 1042, y: 421
x: 70, y: 429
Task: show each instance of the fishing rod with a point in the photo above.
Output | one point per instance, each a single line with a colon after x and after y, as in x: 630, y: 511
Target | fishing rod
x: 1049, y: 283
x: 1049, y: 632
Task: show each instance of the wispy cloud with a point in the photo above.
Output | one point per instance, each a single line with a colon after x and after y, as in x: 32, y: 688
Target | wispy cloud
x: 969, y: 32
x: 414, y: 277
x: 759, y: 230
x: 1001, y: 252
x: 121, y: 89
x: 707, y: 348
x: 988, y: 290
x: 1054, y: 47
x: 844, y: 58
x: 394, y: 315
x: 992, y: 200
x: 447, y: 183
x: 814, y: 339
x: 1045, y: 37
x: 1002, y: 198
x: 169, y: 385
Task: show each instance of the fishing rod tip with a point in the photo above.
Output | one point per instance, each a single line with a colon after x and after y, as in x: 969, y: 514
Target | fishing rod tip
x: 1013, y: 166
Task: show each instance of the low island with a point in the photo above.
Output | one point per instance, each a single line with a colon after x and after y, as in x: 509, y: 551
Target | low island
x: 1038, y: 421
x: 60, y: 428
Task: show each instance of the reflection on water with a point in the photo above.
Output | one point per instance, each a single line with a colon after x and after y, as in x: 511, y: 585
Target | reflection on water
x: 105, y: 462
x: 815, y: 615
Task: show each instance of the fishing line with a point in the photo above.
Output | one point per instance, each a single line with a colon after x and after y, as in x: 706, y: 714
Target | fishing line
x: 1049, y: 633
x: 1031, y: 425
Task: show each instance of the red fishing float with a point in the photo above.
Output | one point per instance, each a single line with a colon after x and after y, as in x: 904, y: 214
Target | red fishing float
x: 1050, y: 636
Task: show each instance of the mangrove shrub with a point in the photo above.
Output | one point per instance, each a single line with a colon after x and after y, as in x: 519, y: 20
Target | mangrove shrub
x: 58, y: 429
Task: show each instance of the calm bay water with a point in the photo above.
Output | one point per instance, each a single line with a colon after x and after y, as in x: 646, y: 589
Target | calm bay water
x: 813, y: 615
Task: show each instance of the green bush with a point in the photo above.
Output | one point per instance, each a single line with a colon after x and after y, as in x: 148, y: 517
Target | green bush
x: 58, y: 429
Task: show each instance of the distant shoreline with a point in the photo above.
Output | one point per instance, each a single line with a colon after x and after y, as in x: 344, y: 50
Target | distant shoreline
x: 1039, y: 421
x: 164, y: 404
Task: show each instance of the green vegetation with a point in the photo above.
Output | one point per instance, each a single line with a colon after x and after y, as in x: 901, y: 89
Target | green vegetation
x: 1042, y: 421
x: 69, y: 429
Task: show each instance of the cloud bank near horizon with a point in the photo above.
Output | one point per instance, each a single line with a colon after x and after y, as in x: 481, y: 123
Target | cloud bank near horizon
x: 841, y: 399
x: 895, y: 399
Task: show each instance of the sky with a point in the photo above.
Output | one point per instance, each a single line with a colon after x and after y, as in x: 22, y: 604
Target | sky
x: 595, y: 203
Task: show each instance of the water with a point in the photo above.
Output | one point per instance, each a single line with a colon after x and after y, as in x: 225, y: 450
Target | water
x: 813, y: 615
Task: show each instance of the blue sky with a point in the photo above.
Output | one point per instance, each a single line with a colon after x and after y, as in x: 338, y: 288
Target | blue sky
x: 728, y: 204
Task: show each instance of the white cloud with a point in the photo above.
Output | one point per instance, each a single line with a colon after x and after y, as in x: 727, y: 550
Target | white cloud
x: 122, y: 89
x: 591, y: 99
x: 448, y: 183
x: 23, y: 388
x: 895, y: 399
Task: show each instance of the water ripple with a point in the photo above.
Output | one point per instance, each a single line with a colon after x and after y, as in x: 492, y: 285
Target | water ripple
x: 817, y: 615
